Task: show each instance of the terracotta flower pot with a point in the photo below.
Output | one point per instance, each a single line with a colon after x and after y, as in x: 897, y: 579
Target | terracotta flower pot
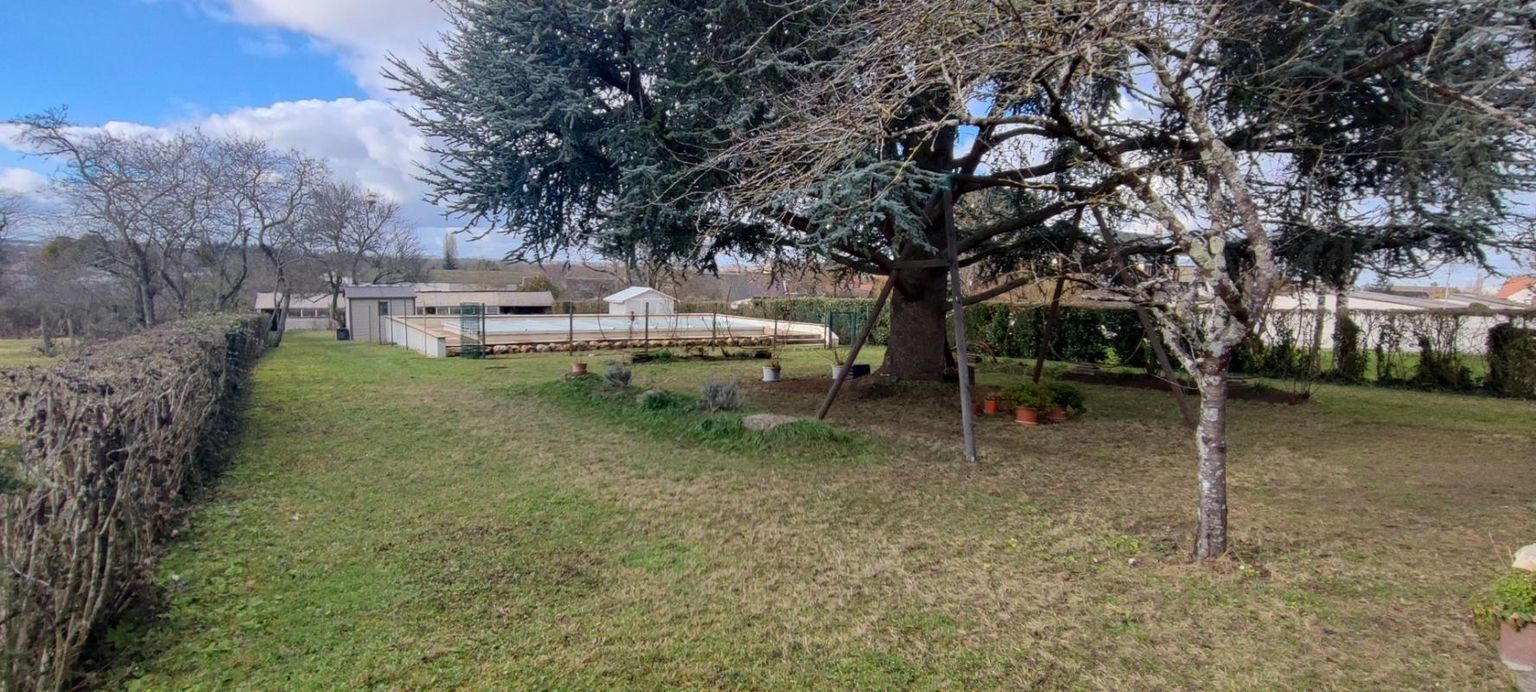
x: 578, y: 368
x: 1517, y: 647
x: 1057, y: 415
x: 989, y: 406
x: 1027, y: 416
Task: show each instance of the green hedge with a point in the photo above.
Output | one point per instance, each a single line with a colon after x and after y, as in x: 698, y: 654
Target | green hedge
x: 97, y: 451
x: 1512, y: 361
x: 1395, y: 348
x: 1088, y: 335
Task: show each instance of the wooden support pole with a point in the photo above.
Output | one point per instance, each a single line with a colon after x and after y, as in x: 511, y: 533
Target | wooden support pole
x: 1153, y: 338
x: 853, y: 353
x: 962, y: 358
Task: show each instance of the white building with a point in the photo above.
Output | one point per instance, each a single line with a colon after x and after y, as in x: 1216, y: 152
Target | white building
x: 1519, y: 289
x: 639, y: 300
x: 304, y: 312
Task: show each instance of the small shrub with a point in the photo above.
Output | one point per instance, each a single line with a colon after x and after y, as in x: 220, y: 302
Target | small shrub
x: 1064, y: 394
x: 1349, y: 362
x: 720, y: 396
x: 663, y: 400
x: 1440, y: 369
x: 1512, y: 361
x: 1035, y: 395
x: 1512, y: 598
x: 1044, y: 396
x: 618, y: 375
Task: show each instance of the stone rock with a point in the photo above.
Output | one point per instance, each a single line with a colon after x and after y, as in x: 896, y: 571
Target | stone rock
x: 1525, y: 558
x: 766, y: 421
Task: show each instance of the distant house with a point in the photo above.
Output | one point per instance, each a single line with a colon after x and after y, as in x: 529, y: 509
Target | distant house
x: 304, y: 312
x: 639, y: 300
x: 1519, y: 289
x: 446, y: 299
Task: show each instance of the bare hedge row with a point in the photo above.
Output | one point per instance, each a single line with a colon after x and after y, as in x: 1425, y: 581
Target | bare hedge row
x: 96, y: 453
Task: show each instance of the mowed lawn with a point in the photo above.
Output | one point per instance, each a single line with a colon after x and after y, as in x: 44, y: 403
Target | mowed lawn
x: 21, y: 352
x: 394, y: 521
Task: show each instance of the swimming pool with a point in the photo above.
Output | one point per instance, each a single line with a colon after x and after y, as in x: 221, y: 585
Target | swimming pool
x: 524, y: 332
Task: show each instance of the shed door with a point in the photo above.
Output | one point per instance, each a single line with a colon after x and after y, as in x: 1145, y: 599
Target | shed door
x: 383, y: 322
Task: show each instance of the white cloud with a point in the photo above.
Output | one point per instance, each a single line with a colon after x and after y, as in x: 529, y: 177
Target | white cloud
x: 22, y: 181
x: 363, y: 140
x: 361, y: 32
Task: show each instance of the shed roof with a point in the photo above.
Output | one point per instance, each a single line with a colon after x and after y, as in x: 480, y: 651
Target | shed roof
x: 634, y: 292
x: 518, y: 299
x: 267, y: 300
x: 381, y: 291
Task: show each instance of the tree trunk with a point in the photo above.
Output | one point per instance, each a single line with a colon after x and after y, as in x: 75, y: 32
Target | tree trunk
x: 47, y: 334
x: 918, y: 348
x: 1211, y: 443
x: 1340, y: 313
x: 336, y: 318
x: 146, y: 302
x: 1319, y: 321
x: 1048, y: 336
x: 280, y: 315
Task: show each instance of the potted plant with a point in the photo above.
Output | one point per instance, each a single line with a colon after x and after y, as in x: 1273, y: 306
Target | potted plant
x: 991, y: 403
x: 1032, y: 400
x: 1066, y: 400
x: 1510, y: 605
x: 772, y: 370
x: 578, y: 367
x: 855, y: 370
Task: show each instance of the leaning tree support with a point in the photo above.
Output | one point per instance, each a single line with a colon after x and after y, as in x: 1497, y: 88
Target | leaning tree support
x: 1155, y: 340
x: 853, y: 353
x: 962, y: 359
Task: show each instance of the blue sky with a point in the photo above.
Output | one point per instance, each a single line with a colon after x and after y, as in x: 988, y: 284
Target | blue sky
x: 154, y: 62
x: 302, y: 73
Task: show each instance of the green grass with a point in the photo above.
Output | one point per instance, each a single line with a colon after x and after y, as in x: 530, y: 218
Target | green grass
x: 394, y: 521
x: 20, y: 352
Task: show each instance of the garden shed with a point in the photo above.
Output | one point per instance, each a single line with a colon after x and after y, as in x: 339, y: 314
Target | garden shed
x: 369, y: 309
x: 639, y: 300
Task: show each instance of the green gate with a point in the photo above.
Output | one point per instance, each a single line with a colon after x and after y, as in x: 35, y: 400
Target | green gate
x: 845, y: 324
x: 472, y: 330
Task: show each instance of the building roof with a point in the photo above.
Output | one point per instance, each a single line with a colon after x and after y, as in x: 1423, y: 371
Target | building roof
x: 1516, y: 284
x: 267, y: 300
x: 634, y: 292
x: 516, y: 299
x: 381, y: 291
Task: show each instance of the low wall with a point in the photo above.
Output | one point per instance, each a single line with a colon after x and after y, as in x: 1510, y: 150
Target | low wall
x: 422, y: 334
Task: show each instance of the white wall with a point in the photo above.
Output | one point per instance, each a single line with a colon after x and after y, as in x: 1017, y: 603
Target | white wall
x: 658, y: 305
x: 1298, y: 315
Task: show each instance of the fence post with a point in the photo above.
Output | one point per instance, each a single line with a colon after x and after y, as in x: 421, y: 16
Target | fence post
x: 647, y: 339
x: 570, y: 326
